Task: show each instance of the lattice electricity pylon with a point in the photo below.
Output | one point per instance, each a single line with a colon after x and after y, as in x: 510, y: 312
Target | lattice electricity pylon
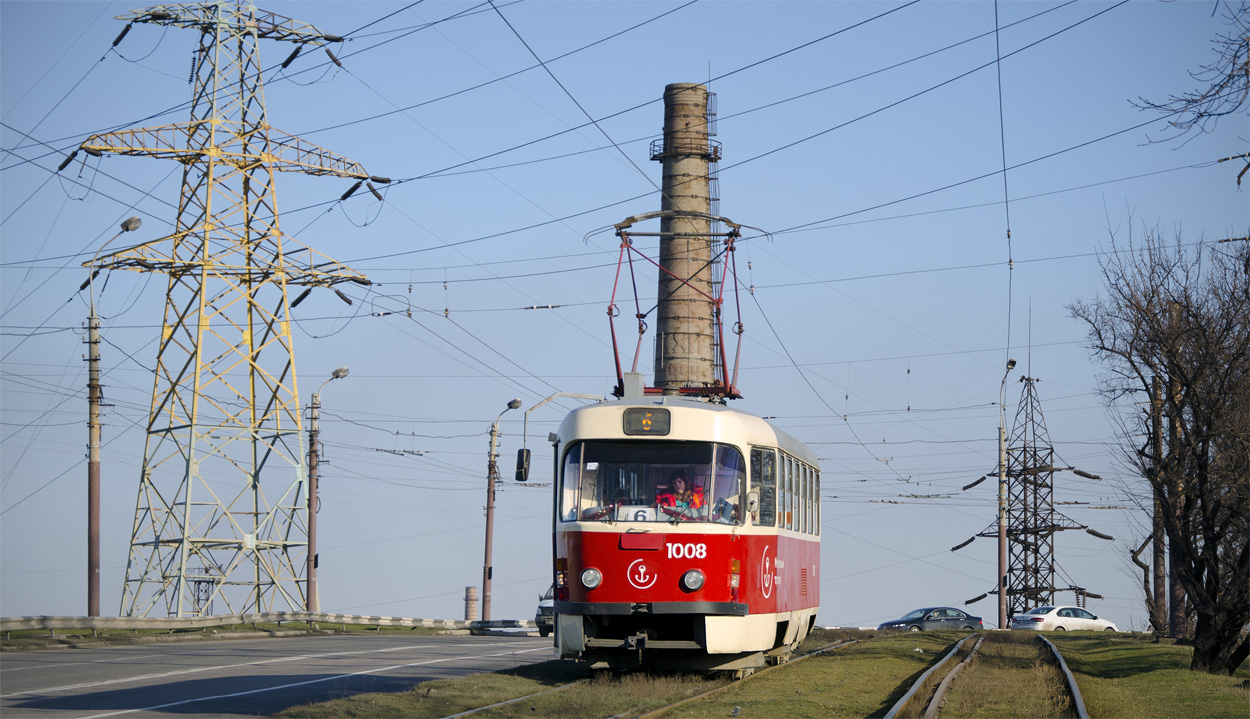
x: 1031, y: 517
x: 225, y: 406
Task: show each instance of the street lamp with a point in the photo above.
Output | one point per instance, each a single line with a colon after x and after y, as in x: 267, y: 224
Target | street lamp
x: 95, y: 396
x: 1002, y: 501
x: 311, y: 600
x: 492, y: 471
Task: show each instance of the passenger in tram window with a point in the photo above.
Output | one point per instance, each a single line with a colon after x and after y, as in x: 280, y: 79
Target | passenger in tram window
x: 679, y: 494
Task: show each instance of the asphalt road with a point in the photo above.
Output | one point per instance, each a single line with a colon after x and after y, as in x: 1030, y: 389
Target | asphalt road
x: 241, y: 677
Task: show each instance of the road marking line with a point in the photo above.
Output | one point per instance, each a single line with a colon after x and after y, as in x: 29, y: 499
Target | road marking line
x: 198, y: 670
x: 71, y: 664
x: 310, y: 681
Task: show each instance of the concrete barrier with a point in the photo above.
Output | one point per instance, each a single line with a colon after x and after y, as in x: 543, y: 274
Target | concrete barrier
x: 15, y: 624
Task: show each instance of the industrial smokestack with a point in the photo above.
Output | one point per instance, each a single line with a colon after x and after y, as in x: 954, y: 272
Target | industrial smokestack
x: 684, y: 330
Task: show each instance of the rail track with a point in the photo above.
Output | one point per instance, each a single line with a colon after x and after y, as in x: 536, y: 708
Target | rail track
x: 657, y: 712
x: 933, y: 707
x: 921, y: 690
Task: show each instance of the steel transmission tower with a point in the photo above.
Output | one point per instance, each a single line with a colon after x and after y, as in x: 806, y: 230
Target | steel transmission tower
x: 222, y: 492
x: 1031, y: 517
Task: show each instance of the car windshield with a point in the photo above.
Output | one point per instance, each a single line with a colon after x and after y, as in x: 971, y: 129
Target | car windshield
x: 551, y: 592
x: 612, y: 481
x: 913, y: 615
x: 1039, y: 610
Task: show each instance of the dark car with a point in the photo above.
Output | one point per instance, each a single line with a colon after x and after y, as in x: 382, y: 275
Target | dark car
x: 545, y: 615
x: 933, y: 618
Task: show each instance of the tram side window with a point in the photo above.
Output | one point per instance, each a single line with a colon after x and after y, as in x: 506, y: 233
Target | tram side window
x: 816, y: 508
x: 807, y: 499
x: 764, y: 480
x: 800, y: 494
x: 795, y: 498
x: 805, y: 525
x: 787, y: 483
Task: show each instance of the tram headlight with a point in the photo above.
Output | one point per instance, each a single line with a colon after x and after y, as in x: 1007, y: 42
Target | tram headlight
x: 692, y: 580
x: 591, y: 578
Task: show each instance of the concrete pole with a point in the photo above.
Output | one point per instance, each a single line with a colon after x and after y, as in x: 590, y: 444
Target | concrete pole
x: 684, y: 329
x: 1002, y: 527
x: 487, y: 569
x: 94, y: 397
x: 1158, y: 557
x: 1002, y: 500
x: 314, y: 434
x: 470, y: 604
x: 492, y: 471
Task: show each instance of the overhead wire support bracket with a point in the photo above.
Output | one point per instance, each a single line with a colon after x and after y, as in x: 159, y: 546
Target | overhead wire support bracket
x: 725, y: 387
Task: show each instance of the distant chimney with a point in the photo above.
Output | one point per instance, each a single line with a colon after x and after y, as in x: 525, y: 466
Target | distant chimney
x: 684, y: 318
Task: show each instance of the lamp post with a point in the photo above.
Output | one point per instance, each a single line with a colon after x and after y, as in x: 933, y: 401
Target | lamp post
x: 1002, y: 501
x: 311, y: 602
x: 492, y: 471
x: 95, y: 395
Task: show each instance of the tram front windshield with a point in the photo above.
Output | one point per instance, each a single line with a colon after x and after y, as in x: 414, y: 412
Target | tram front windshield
x: 620, y: 481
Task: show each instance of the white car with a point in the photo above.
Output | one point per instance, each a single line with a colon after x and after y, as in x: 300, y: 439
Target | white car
x: 1061, y: 618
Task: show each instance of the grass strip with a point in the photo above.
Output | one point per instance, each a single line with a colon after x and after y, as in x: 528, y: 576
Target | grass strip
x: 1013, y: 675
x: 861, y: 680
x: 1124, y: 676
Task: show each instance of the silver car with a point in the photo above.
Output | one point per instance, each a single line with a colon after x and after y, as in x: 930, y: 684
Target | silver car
x: 1061, y: 618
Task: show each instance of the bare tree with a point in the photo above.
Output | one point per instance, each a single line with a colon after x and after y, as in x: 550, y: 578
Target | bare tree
x: 1184, y: 315
x: 1226, y: 80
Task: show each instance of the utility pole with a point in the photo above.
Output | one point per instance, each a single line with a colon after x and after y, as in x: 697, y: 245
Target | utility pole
x: 1002, y: 501
x: 492, y: 473
x: 314, y: 436
x: 1158, y: 557
x: 1178, y: 627
x: 95, y: 396
x: 312, y: 601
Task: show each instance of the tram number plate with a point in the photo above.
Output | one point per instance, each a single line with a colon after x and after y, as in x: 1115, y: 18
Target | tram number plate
x: 687, y: 551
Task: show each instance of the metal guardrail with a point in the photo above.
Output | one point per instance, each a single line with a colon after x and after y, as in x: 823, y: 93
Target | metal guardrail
x: 69, y: 624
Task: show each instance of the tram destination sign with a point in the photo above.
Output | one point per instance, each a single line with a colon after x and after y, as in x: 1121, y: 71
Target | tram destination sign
x: 649, y: 421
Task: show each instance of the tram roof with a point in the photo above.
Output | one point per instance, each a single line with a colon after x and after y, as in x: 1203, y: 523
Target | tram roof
x: 757, y: 429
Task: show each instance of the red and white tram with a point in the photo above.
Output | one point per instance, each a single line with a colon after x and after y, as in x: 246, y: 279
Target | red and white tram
x: 721, y: 573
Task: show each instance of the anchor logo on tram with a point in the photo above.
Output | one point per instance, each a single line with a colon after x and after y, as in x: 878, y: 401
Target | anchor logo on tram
x: 638, y: 575
x: 766, y: 574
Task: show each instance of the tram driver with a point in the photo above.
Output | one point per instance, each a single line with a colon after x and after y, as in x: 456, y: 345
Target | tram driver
x: 680, y: 494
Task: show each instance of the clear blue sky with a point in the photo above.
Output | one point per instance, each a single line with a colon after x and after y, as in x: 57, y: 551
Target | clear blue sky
x: 883, y: 307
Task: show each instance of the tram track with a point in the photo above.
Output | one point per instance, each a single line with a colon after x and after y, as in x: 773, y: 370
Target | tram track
x: 935, y: 701
x: 925, y: 695
x: 737, y: 682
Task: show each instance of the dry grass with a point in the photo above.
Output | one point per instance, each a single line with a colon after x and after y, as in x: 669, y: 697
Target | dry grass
x: 1126, y: 676
x: 605, y: 695
x: 862, y: 680
x: 1013, y: 675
